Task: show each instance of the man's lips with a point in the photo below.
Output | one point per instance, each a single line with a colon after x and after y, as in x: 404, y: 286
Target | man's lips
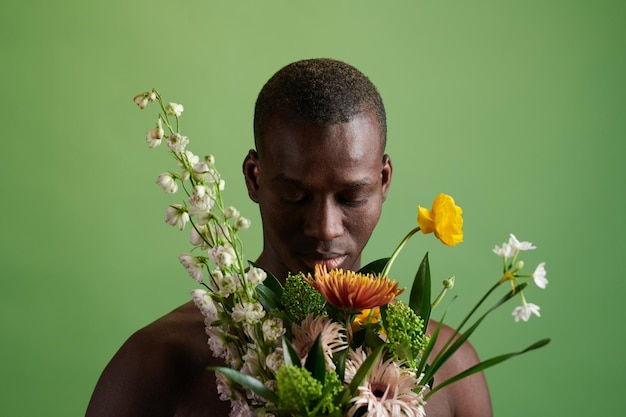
x: 330, y: 261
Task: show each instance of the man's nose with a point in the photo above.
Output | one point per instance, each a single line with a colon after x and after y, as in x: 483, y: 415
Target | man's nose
x: 324, y: 221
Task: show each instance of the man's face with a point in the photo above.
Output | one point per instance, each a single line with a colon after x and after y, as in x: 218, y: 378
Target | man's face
x: 320, y: 191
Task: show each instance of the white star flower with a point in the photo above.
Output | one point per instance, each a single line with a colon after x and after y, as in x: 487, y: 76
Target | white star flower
x: 540, y: 275
x: 517, y: 245
x: 524, y: 311
x: 506, y: 250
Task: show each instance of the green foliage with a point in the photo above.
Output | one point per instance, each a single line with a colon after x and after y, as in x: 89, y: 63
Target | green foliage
x: 300, y: 299
x: 297, y: 389
x: 405, y: 332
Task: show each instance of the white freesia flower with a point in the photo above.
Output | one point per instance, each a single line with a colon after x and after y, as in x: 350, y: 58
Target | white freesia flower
x: 223, y: 256
x: 524, y: 311
x: 218, y: 342
x: 273, y: 329
x: 250, y: 313
x: 201, y: 201
x: 241, y: 408
x: 188, y: 159
x: 275, y: 360
x: 255, y: 276
x: 177, y: 142
x: 521, y: 246
x: 199, y: 236
x: 252, y: 363
x: 223, y: 387
x: 177, y: 215
x: 193, y: 265
x: 227, y: 284
x: 203, y: 173
x: 174, y: 109
x: 167, y: 181
x: 205, y: 304
x: 540, y: 275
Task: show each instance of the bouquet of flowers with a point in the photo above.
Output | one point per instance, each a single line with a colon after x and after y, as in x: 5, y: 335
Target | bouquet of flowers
x: 332, y: 343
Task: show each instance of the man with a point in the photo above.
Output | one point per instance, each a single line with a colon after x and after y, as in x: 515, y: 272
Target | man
x: 319, y: 175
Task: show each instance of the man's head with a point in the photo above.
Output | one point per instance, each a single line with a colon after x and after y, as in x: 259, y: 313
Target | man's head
x: 319, y: 174
x: 318, y: 92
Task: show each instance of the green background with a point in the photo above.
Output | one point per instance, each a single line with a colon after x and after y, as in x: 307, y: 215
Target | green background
x: 516, y: 108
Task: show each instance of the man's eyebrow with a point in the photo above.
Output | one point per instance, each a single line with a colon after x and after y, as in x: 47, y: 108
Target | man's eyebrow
x: 285, y: 179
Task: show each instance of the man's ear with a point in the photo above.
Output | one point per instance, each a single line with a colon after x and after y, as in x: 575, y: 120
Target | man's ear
x: 385, y: 175
x: 251, y: 168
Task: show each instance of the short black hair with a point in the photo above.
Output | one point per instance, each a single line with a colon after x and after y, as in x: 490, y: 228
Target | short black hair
x: 318, y: 91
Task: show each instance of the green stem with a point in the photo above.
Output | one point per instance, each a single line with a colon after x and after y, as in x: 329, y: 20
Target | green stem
x: 397, y: 251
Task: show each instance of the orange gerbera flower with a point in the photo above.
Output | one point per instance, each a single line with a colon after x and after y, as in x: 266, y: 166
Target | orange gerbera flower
x: 352, y: 290
x: 444, y: 219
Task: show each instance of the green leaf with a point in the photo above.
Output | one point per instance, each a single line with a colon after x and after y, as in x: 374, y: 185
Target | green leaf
x: 340, y: 361
x: 486, y: 364
x: 316, y: 360
x: 374, y: 267
x: 449, y: 349
x: 419, y: 300
x: 372, y: 339
x: 290, y: 355
x: 267, y: 297
x: 247, y: 381
x: 271, y: 281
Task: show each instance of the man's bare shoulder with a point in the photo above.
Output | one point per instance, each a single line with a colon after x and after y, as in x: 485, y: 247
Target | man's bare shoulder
x: 159, y: 371
x: 468, y: 397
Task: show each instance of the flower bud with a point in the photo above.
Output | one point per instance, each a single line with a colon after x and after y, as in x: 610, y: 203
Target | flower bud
x: 231, y: 212
x: 209, y: 160
x: 141, y: 100
x: 242, y: 223
x: 154, y: 136
x: 448, y: 283
x: 518, y: 266
x: 167, y: 182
